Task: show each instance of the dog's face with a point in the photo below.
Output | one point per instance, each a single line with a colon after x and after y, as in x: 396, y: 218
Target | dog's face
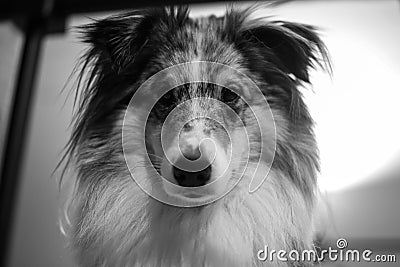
x: 195, y: 147
x: 202, y: 135
x: 232, y: 100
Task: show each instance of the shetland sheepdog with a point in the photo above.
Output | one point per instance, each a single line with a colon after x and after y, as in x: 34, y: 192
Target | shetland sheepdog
x: 192, y: 143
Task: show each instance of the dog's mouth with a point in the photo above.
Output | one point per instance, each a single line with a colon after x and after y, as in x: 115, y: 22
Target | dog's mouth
x: 192, y: 196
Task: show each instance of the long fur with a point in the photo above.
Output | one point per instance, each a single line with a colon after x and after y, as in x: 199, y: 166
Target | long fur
x: 113, y: 222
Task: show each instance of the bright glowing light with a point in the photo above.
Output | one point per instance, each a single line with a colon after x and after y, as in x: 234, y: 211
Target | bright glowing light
x: 357, y: 113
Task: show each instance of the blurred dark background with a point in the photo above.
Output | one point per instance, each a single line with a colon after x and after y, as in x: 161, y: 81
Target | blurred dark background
x: 357, y: 114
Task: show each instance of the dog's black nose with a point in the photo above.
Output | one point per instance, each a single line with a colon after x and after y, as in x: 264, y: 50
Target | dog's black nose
x: 192, y: 154
x: 192, y: 179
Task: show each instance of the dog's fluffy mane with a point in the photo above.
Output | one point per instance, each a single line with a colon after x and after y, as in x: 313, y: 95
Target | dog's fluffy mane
x: 113, y: 222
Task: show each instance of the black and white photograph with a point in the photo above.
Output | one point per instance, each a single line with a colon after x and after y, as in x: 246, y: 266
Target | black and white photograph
x: 200, y: 133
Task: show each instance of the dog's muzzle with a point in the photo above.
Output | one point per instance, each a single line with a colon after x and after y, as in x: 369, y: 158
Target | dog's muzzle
x: 193, y: 168
x: 194, y: 164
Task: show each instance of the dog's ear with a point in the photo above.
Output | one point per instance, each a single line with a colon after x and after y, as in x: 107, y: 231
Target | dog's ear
x: 294, y: 47
x: 122, y: 38
x: 118, y: 39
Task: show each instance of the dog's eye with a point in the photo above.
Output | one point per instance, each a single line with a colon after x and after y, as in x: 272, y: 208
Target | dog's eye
x: 229, y: 96
x: 167, y: 99
x: 164, y: 105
